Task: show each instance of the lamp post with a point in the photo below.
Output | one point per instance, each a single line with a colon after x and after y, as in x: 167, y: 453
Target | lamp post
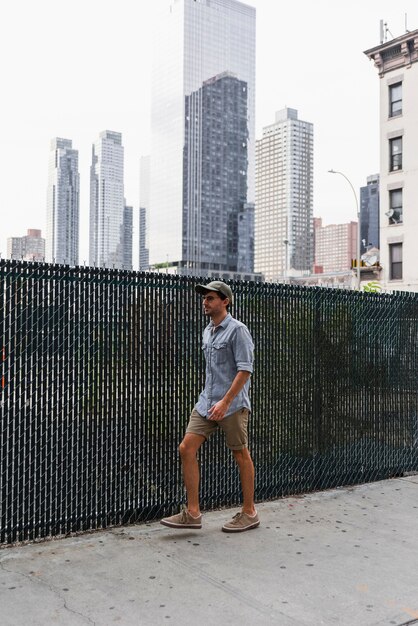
x: 286, y: 243
x: 358, y: 225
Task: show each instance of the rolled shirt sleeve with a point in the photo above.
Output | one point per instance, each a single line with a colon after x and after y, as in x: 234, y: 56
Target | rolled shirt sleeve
x: 243, y: 348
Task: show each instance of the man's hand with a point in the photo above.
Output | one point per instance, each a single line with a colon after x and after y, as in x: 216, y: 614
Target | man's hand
x: 218, y: 411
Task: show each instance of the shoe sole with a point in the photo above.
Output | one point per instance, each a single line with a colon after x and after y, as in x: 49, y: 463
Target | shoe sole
x: 240, y: 530
x: 174, y: 525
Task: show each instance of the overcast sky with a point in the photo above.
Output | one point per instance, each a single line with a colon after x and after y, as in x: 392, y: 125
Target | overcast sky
x: 74, y: 69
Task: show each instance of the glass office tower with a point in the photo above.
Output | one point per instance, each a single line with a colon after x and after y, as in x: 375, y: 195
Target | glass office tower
x: 144, y: 174
x: 205, y: 49
x: 369, y: 214
x: 128, y: 214
x: 214, y: 174
x: 107, y: 202
x: 63, y: 203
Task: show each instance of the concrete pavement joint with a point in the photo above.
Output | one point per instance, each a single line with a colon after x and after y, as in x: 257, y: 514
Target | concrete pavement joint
x: 254, y: 604
x: 412, y: 482
x: 42, y: 582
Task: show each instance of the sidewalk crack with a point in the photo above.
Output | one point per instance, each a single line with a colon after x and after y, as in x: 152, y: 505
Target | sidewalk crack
x: 42, y: 582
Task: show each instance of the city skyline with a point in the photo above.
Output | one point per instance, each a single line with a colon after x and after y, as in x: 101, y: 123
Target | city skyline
x: 309, y: 57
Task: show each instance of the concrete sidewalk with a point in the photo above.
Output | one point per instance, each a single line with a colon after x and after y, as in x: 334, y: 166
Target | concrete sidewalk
x: 347, y: 556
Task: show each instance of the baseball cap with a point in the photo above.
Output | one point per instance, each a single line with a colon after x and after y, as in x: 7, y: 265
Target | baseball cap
x: 215, y: 285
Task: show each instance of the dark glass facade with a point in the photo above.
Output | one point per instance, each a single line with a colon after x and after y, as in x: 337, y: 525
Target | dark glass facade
x: 369, y: 214
x: 202, y: 39
x: 143, y: 249
x: 215, y: 177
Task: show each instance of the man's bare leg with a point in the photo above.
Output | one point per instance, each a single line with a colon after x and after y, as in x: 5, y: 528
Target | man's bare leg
x: 246, y: 471
x: 190, y: 467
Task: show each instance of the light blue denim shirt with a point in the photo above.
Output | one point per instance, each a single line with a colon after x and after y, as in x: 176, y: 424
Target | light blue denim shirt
x: 228, y: 349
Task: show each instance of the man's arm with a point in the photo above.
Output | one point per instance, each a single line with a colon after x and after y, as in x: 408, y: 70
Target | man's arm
x: 218, y: 411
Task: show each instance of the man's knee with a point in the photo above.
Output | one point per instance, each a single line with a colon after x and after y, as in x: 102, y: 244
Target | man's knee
x: 241, y: 456
x: 183, y: 448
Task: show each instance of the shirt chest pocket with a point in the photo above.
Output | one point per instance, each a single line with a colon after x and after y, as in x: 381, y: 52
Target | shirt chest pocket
x: 219, y: 353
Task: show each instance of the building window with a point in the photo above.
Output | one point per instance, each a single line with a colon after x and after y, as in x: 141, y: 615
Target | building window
x: 395, y: 99
x: 395, y: 260
x: 395, y: 206
x: 395, y: 154
x: 392, y: 52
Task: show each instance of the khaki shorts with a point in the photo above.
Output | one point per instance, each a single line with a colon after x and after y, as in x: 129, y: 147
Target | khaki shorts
x: 234, y: 427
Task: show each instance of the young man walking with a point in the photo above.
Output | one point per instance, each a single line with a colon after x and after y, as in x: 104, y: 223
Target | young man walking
x: 224, y: 403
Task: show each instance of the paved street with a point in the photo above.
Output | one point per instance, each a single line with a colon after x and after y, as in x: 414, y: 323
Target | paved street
x: 346, y: 556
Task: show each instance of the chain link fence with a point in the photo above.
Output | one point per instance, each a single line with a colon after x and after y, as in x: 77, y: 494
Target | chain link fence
x: 101, y: 368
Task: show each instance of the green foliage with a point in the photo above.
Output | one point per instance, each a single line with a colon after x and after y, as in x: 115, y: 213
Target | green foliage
x: 159, y: 266
x: 372, y: 287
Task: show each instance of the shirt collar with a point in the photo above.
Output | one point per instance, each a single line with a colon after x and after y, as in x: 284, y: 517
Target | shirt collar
x: 222, y: 324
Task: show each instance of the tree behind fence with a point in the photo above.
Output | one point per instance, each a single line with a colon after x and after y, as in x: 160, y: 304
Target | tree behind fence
x: 101, y: 368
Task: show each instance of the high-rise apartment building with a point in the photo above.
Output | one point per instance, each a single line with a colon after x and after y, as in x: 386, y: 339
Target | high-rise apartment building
x: 144, y: 174
x: 63, y: 203
x: 397, y: 64
x: 203, y: 116
x: 335, y: 246
x: 369, y: 214
x: 31, y: 247
x: 127, y: 237
x: 284, y: 197
x: 107, y: 202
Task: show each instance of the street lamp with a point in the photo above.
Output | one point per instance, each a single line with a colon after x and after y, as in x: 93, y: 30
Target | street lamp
x: 358, y: 225
x: 286, y: 243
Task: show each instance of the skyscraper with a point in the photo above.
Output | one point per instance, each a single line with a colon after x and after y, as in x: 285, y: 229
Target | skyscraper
x: 203, y: 79
x: 246, y: 239
x: 63, y: 202
x: 284, y: 197
x: 144, y: 175
x: 127, y: 237
x: 369, y: 214
x: 215, y: 174
x: 107, y: 202
x: 143, y: 249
